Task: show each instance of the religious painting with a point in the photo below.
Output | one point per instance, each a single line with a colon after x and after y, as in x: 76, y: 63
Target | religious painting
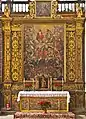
x: 43, y: 8
x: 43, y: 50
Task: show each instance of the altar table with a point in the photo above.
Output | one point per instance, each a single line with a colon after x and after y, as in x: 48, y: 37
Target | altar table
x: 29, y: 100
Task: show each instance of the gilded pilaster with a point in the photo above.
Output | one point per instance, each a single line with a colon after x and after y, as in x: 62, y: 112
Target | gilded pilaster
x: 79, y: 38
x: 7, y: 54
x: 6, y: 24
x: 71, y: 52
x: 54, y: 9
x: 7, y: 58
x: 17, y: 57
x: 1, y: 47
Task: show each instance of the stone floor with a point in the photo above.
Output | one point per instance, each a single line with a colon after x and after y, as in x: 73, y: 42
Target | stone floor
x: 11, y: 117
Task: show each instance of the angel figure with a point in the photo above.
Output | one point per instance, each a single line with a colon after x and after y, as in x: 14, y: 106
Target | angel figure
x: 7, y: 11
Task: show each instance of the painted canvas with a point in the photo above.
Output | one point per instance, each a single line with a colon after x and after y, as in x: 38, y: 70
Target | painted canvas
x: 43, y: 8
x: 43, y: 50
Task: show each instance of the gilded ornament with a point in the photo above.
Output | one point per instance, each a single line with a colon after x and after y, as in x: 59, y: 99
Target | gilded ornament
x: 16, y: 54
x: 31, y: 10
x: 54, y: 9
x: 15, y: 105
x: 18, y: 86
x: 70, y: 27
x: 6, y: 11
x: 79, y: 38
x: 79, y: 11
x: 71, y: 56
x: 7, y: 33
x: 7, y: 97
x: 16, y: 27
x: 7, y: 86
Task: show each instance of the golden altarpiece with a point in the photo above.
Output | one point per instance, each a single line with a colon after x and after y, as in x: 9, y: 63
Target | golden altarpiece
x: 43, y: 50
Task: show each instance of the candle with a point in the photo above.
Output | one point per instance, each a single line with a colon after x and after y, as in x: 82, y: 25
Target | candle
x: 24, y: 83
x: 62, y: 82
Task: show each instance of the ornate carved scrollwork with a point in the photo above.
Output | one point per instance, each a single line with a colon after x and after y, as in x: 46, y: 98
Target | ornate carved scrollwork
x: 7, y: 86
x: 71, y: 55
x: 79, y: 99
x: 54, y: 9
x: 74, y: 50
x: 16, y: 87
x: 7, y: 97
x: 7, y: 55
x: 79, y: 38
x: 15, y: 62
x: 1, y: 49
x: 16, y: 54
x: 15, y: 105
x: 6, y: 21
x: 31, y: 10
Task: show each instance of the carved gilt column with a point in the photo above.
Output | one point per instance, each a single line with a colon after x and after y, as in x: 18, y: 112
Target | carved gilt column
x: 17, y: 56
x: 7, y: 60
x: 1, y: 58
x: 79, y: 39
x: 80, y: 94
x: 71, y: 52
x: 74, y: 63
x: 16, y: 63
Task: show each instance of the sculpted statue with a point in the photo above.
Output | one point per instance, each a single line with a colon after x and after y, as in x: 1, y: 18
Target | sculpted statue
x: 7, y: 11
x: 43, y: 83
x: 78, y: 10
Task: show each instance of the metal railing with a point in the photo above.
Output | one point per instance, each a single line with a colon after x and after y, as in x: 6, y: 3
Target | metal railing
x: 70, y: 6
x: 22, y: 6
x: 15, y: 6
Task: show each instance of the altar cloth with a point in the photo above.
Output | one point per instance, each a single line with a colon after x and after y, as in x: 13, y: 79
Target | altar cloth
x: 44, y: 94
